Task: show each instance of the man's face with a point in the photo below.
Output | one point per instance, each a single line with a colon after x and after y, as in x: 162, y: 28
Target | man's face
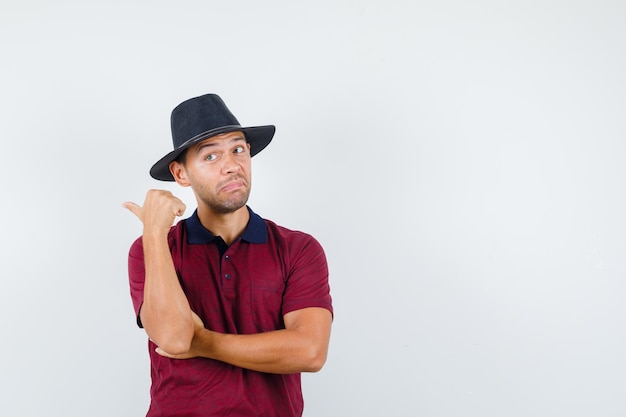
x: 218, y: 171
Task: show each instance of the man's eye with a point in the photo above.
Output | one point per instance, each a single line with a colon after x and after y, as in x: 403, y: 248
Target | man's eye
x: 211, y: 157
x: 239, y: 149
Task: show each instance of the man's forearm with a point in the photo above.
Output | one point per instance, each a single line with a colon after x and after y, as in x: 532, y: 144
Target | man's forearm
x: 165, y: 312
x: 301, y: 347
x: 280, y: 351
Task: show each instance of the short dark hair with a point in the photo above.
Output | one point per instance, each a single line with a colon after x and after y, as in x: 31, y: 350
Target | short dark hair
x: 182, y: 157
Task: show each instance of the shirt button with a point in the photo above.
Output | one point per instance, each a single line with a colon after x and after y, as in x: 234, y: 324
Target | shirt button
x: 227, y: 276
x: 227, y: 257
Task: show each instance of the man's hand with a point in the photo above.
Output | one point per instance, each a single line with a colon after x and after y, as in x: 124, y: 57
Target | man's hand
x: 191, y: 353
x: 159, y: 211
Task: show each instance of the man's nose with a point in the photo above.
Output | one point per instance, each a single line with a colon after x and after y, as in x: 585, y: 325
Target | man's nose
x: 229, y: 164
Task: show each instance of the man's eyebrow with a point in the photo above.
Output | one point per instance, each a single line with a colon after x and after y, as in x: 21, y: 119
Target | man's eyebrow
x: 235, y: 139
x: 205, y: 145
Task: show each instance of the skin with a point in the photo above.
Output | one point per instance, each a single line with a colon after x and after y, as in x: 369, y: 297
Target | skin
x: 218, y: 170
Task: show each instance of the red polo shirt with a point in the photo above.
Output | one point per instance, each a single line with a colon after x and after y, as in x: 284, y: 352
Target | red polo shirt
x: 242, y: 289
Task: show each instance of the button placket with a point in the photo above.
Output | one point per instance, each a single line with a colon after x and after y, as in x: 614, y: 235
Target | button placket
x: 227, y: 275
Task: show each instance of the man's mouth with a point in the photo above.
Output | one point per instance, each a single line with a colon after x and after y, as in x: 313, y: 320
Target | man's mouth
x: 232, y: 185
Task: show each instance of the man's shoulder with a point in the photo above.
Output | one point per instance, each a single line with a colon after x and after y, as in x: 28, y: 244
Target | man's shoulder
x: 283, y: 230
x: 289, y: 236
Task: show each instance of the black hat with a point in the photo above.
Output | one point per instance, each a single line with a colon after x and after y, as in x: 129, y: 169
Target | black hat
x: 199, y: 118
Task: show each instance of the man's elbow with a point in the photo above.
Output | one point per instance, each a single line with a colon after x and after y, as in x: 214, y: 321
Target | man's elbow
x: 315, y: 359
x: 174, y: 342
x: 174, y: 346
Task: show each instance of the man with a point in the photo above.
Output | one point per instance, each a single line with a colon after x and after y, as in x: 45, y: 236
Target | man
x: 235, y: 307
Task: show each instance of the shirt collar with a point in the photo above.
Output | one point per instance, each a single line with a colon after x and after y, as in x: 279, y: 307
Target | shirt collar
x: 255, y: 231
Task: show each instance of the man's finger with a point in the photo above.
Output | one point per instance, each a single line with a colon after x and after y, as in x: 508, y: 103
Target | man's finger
x: 134, y: 208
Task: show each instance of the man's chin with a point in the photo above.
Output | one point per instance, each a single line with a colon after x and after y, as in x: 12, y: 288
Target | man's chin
x: 228, y: 206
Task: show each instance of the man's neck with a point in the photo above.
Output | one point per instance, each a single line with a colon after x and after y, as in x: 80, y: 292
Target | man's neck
x: 229, y: 226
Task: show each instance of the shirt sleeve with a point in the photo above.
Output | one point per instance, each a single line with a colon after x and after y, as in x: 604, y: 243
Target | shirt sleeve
x: 307, y: 282
x: 136, y: 276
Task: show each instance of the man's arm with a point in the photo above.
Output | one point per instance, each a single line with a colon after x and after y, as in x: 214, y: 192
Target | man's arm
x: 165, y: 313
x: 301, y: 347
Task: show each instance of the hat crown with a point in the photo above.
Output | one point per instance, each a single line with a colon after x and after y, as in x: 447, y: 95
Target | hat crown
x: 199, y: 116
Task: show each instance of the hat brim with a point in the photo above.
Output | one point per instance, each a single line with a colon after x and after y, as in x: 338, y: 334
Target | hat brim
x: 257, y: 136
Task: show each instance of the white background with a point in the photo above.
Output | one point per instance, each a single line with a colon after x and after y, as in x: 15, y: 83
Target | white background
x: 462, y: 163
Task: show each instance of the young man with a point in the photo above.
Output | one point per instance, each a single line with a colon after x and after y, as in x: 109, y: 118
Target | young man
x: 235, y: 306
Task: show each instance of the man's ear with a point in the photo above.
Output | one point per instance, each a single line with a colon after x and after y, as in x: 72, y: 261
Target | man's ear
x: 179, y: 173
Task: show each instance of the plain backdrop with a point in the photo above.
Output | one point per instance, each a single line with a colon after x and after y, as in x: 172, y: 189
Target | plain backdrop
x: 462, y: 163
